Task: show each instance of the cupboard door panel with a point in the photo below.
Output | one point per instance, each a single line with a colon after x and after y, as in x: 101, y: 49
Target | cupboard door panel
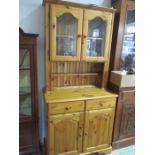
x: 65, y: 134
x: 66, y: 33
x: 127, y: 126
x: 98, y: 129
x: 96, y: 35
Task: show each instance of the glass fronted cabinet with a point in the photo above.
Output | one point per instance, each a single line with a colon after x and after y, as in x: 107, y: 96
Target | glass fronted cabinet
x: 123, y: 42
x: 25, y: 102
x: 128, y: 48
x: 79, y: 34
x: 66, y: 33
x: 97, y: 30
x: 28, y: 90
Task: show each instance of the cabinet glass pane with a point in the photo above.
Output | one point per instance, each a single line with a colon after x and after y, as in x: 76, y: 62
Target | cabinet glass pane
x: 128, y: 50
x: 96, y: 37
x: 66, y: 35
x: 24, y: 83
x: 24, y: 59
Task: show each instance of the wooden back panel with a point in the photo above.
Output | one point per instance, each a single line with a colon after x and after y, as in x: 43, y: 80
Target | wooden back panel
x: 75, y: 74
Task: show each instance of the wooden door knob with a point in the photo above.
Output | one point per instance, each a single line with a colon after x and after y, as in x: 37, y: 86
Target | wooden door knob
x: 80, y: 127
x: 79, y: 35
x: 86, y: 133
x: 53, y: 25
x: 84, y: 36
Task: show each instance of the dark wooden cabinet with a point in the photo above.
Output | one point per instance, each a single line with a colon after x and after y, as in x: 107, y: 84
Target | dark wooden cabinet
x: 123, y: 40
x: 124, y: 126
x: 122, y: 58
x: 28, y: 102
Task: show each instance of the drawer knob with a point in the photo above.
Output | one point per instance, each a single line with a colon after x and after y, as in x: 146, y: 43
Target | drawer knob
x: 67, y: 108
x: 101, y: 104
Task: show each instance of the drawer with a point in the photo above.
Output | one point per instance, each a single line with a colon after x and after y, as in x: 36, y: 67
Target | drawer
x: 65, y: 107
x: 128, y: 95
x: 100, y: 103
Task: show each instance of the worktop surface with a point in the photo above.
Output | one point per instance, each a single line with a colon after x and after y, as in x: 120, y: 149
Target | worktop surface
x: 65, y: 94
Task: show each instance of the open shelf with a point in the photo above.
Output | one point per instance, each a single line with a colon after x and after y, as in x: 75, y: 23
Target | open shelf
x: 76, y: 74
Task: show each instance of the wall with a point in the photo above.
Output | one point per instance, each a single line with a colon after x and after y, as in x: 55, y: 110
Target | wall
x: 31, y: 20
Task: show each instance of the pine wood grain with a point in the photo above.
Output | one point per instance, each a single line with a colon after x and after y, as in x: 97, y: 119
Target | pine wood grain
x: 77, y: 93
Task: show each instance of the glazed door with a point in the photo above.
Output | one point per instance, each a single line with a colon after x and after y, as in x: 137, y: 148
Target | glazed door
x: 25, y: 92
x: 128, y: 49
x: 96, y: 36
x: 66, y: 33
x: 65, y: 134
x: 98, y: 129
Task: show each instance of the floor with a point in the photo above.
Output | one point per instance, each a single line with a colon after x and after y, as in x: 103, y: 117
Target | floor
x: 130, y: 150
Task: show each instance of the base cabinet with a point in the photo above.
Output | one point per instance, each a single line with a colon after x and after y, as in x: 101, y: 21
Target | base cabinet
x: 80, y: 127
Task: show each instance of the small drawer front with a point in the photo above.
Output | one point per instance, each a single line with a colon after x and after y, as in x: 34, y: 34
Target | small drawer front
x: 100, y: 104
x: 128, y: 95
x: 66, y: 107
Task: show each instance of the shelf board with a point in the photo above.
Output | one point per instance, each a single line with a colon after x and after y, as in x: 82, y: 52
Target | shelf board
x: 94, y: 38
x: 24, y: 68
x: 24, y: 91
x: 66, y: 36
x: 75, y: 74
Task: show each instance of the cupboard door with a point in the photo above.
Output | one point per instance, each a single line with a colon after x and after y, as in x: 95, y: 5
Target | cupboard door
x: 25, y: 85
x: 127, y: 124
x: 66, y: 33
x: 96, y: 35
x: 98, y: 129
x: 65, y: 134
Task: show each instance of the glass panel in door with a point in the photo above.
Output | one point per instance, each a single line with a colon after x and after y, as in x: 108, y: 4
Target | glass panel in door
x: 66, y: 35
x: 128, y: 50
x: 24, y: 83
x: 96, y: 37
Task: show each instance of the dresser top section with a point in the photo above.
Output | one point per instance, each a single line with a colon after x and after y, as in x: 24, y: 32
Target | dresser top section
x: 80, y: 5
x: 77, y: 93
